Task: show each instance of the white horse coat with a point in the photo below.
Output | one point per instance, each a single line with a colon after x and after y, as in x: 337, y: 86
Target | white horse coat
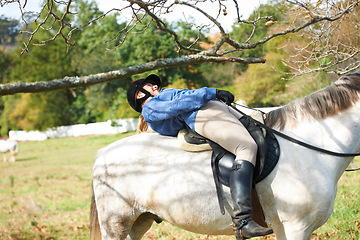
x: 9, y: 146
x: 148, y: 177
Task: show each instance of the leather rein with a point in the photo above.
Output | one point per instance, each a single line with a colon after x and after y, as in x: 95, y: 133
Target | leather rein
x: 296, y: 141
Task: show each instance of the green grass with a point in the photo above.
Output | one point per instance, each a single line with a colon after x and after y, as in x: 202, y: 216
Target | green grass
x: 344, y: 222
x: 45, y: 194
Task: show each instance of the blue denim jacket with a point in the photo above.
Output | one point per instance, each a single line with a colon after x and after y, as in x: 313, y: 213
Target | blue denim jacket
x: 169, y: 111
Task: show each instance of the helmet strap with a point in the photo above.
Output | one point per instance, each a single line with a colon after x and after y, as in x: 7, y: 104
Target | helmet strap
x: 143, y: 99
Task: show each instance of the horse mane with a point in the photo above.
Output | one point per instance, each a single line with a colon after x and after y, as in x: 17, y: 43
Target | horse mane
x: 337, y: 97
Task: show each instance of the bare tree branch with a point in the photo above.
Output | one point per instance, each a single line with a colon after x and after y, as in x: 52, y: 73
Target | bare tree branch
x: 71, y: 82
x: 318, y: 21
x: 330, y: 45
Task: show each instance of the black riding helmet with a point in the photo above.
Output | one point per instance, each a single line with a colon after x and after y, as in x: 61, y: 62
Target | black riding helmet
x: 136, y: 86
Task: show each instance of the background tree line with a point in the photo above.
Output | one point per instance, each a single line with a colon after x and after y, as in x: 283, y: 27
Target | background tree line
x: 258, y: 85
x: 84, y: 104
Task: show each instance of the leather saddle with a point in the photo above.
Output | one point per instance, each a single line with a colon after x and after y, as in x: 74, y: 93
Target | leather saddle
x: 222, y: 160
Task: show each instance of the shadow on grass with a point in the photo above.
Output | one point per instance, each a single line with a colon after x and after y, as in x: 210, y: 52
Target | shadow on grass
x: 25, y: 159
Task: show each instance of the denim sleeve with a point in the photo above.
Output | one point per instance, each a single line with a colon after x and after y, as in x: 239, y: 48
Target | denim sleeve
x: 161, y: 108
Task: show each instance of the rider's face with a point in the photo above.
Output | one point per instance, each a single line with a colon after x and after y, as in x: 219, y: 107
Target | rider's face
x: 152, y: 89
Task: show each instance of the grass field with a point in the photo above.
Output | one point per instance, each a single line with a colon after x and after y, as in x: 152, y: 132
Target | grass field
x: 45, y: 194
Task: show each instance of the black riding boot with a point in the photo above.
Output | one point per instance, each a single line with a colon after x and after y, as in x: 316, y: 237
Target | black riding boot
x: 241, y: 179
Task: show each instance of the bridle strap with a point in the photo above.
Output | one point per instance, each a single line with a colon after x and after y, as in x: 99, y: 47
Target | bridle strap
x: 298, y: 141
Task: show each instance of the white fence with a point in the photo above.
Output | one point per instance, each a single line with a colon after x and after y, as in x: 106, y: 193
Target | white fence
x: 108, y: 127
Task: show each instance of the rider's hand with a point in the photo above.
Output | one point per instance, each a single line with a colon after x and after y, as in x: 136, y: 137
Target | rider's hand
x: 225, y: 96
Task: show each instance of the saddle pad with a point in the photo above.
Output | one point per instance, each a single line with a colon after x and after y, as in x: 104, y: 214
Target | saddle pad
x: 272, y: 156
x: 191, y: 143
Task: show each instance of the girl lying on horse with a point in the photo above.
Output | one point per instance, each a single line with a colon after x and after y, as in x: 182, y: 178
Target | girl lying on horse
x: 170, y: 110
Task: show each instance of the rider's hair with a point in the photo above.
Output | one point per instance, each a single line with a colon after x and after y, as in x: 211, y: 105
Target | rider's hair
x: 143, y: 126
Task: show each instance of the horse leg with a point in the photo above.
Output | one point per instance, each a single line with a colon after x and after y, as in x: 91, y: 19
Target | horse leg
x: 95, y: 233
x: 115, y: 214
x: 115, y: 223
x: 290, y: 231
x: 12, y: 159
x: 141, y: 226
x: 296, y: 232
x: 5, y: 157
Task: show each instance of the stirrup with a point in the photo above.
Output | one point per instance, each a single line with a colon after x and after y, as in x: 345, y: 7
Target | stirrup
x: 238, y: 230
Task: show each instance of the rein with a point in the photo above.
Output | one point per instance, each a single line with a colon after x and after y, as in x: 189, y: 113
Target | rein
x: 297, y: 141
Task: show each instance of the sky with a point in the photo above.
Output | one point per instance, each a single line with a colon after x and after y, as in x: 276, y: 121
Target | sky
x: 246, y: 8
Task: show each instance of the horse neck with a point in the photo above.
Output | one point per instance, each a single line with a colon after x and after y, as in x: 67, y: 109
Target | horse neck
x: 342, y: 130
x: 337, y: 133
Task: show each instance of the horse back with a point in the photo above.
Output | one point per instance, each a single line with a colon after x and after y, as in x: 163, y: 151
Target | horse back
x: 150, y: 173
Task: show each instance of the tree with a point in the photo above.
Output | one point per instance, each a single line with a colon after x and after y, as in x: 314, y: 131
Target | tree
x: 92, y: 103
x: 8, y: 30
x: 5, y: 63
x: 243, y: 32
x: 312, y: 18
x: 38, y: 111
x: 98, y: 101
x: 260, y: 86
x: 332, y: 46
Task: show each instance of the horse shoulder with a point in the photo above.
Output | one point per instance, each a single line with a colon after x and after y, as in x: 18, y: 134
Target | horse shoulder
x: 300, y: 191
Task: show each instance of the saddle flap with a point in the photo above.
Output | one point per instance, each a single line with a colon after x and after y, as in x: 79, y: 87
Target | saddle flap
x: 257, y: 134
x: 222, y: 160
